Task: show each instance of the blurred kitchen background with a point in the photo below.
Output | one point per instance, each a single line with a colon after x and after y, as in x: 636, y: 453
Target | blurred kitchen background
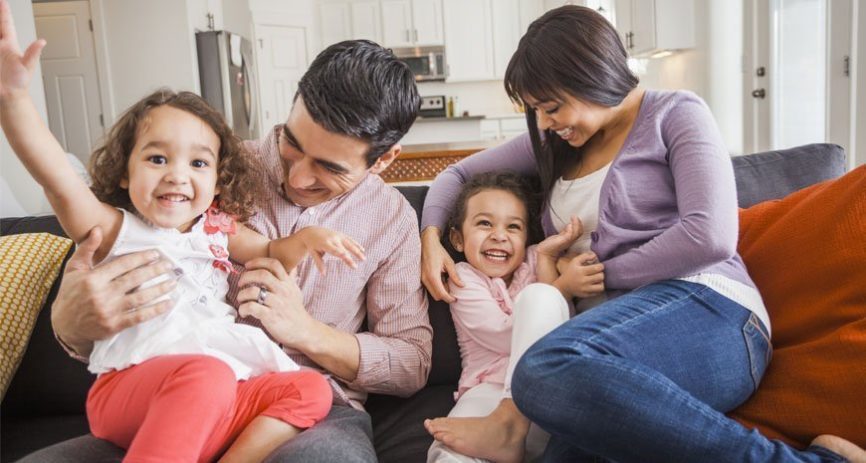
x: 775, y: 73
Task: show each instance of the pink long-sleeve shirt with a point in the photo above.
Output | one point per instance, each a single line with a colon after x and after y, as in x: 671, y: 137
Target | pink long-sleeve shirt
x: 482, y: 317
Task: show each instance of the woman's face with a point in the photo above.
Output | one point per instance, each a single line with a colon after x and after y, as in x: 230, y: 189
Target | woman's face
x: 571, y: 119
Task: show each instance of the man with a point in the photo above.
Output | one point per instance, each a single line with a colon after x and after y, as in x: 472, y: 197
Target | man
x: 352, y: 107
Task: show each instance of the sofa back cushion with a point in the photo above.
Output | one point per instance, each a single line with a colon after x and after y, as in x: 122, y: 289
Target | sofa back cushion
x: 775, y: 174
x: 807, y: 255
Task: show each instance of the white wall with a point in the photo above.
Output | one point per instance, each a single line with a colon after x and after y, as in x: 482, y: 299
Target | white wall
x: 19, y: 193
x: 149, y: 44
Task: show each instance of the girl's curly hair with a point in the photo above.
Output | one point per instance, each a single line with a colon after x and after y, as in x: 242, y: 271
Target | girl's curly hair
x: 236, y: 174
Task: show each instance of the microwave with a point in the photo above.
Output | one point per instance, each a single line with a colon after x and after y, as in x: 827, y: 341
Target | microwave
x: 427, y: 63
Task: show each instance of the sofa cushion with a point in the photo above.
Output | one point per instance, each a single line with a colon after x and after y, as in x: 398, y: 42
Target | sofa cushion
x: 29, y: 264
x: 806, y: 254
x: 775, y: 174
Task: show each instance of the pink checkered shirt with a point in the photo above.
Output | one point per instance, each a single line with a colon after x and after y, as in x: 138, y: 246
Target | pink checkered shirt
x: 385, y: 289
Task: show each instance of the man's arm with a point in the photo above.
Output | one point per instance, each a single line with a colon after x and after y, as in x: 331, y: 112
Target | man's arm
x: 393, y: 357
x: 95, y: 303
x: 395, y: 353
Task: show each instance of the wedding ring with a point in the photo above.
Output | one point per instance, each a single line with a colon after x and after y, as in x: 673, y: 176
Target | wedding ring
x: 263, y: 294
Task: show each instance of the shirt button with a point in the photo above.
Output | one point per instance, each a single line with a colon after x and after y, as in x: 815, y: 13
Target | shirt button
x: 594, y: 237
x: 311, y: 211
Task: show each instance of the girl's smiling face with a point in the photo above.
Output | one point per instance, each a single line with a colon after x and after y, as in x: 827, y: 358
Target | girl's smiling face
x: 494, y: 233
x: 172, y: 170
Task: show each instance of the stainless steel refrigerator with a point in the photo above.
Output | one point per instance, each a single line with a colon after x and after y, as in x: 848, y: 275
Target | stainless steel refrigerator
x: 227, y: 73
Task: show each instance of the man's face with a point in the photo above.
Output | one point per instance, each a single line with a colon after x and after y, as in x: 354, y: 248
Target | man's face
x: 319, y: 165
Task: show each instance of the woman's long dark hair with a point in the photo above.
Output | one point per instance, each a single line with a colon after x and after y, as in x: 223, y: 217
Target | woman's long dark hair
x: 570, y: 50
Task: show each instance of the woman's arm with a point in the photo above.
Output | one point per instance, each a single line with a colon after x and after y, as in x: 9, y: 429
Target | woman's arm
x: 706, y: 198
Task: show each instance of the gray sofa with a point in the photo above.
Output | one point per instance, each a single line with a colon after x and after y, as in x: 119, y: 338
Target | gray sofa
x: 45, y: 400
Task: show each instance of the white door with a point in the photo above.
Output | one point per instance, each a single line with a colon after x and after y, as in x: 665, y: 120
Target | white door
x: 282, y: 58
x: 797, y: 81
x: 70, y: 76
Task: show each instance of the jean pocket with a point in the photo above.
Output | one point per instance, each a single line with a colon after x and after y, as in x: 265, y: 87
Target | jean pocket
x: 759, y: 347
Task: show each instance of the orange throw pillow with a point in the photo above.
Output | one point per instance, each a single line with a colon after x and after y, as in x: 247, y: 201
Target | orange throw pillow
x: 807, y: 255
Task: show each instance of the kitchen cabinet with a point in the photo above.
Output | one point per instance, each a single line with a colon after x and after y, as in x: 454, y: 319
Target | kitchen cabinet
x: 493, y: 27
x: 469, y: 40
x: 205, y: 15
x: 410, y: 23
x: 650, y: 27
x: 350, y: 19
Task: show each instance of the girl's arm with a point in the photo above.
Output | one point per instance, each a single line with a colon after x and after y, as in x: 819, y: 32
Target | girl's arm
x: 77, y: 208
x: 477, y: 314
x: 246, y: 244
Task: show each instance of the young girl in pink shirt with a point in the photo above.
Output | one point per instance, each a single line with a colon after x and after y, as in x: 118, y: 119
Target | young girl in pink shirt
x: 492, y: 226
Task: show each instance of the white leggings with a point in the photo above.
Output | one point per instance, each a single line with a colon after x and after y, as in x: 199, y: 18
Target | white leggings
x: 538, y: 309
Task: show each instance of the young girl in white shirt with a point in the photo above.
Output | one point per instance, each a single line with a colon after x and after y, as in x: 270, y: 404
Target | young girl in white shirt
x: 189, y: 384
x: 492, y: 224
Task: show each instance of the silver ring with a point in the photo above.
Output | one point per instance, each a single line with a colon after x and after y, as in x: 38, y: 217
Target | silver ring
x: 263, y: 294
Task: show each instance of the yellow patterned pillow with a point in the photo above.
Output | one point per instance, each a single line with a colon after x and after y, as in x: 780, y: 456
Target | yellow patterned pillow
x: 29, y: 264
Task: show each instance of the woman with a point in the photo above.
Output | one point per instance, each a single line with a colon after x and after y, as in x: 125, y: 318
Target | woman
x: 646, y: 376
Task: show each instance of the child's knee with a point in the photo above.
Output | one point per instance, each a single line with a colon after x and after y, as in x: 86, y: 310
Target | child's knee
x: 205, y: 377
x: 316, y: 390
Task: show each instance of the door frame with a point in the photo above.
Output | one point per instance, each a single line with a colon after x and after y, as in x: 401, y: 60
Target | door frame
x: 839, y: 89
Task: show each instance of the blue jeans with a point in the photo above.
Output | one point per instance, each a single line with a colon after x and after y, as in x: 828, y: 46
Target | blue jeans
x: 647, y: 377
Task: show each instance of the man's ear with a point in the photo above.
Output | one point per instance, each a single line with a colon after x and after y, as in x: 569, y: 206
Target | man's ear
x: 386, y: 159
x: 456, y: 239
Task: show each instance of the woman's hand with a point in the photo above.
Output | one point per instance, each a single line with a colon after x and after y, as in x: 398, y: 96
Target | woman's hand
x: 554, y: 245
x: 435, y: 264
x: 15, y: 69
x: 272, y: 296
x: 581, y: 276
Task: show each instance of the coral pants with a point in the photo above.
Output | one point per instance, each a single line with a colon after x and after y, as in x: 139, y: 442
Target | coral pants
x: 191, y: 408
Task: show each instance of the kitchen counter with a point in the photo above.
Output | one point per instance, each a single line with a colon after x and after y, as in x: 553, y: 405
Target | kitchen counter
x: 422, y: 162
x: 449, y: 119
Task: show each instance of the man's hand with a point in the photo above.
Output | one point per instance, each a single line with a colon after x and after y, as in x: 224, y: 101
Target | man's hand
x: 435, y: 264
x: 272, y: 296
x: 95, y: 303
x: 280, y: 308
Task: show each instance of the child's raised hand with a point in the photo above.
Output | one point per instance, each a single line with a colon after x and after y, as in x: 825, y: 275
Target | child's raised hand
x: 554, y: 245
x: 583, y: 275
x: 15, y: 69
x: 320, y: 241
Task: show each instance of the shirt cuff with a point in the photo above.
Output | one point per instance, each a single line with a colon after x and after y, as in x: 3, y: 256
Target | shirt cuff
x: 375, y: 363
x: 69, y: 350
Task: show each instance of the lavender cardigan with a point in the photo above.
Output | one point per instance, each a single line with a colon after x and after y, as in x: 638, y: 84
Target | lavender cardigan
x: 667, y: 208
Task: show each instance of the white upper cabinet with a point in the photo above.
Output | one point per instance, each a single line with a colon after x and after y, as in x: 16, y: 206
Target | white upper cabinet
x: 336, y: 21
x: 492, y: 27
x: 469, y: 50
x: 408, y: 23
x: 366, y: 20
x: 649, y: 27
x: 350, y: 19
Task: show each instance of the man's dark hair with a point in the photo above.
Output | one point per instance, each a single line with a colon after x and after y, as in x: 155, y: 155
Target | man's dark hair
x: 360, y: 89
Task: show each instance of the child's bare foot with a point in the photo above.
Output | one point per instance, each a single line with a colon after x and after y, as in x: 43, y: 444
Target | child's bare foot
x: 851, y: 451
x: 499, y: 436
